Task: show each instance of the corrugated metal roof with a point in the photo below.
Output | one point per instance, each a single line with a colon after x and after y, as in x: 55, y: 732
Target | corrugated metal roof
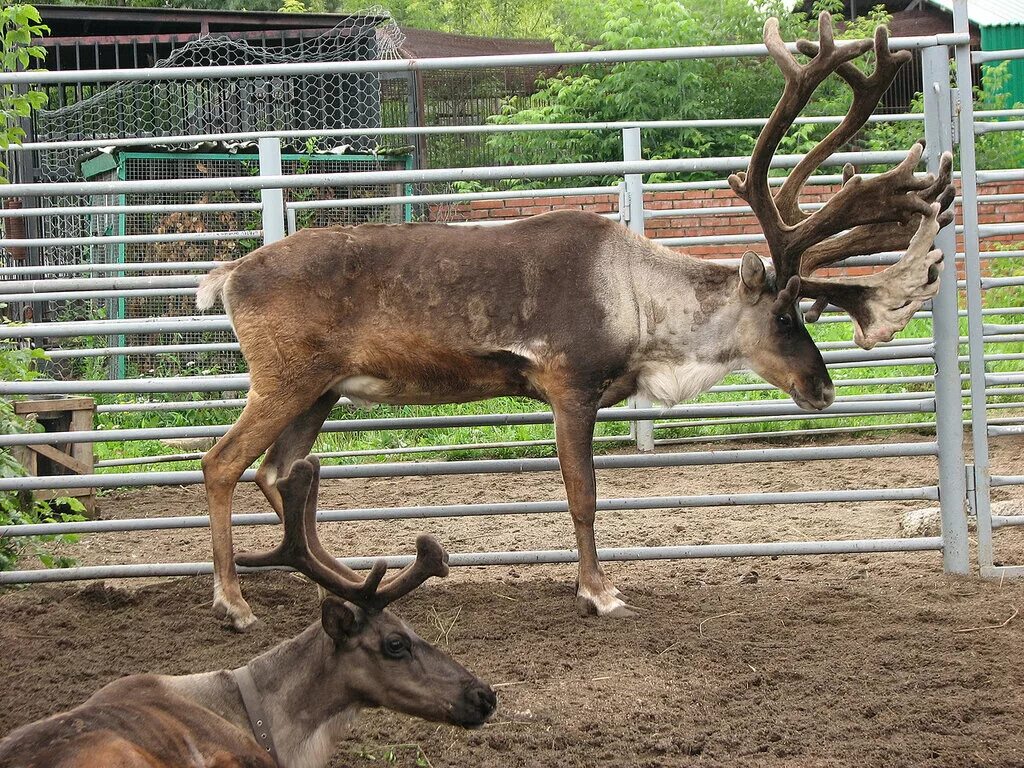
x: 988, y: 13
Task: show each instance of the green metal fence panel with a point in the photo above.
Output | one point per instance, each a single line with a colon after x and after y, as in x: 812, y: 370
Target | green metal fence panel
x: 1006, y: 38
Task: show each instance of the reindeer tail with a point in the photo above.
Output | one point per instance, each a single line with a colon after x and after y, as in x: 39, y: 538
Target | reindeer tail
x: 211, y: 287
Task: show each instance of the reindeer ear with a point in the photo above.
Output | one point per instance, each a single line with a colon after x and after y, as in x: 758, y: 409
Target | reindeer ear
x: 752, y: 275
x: 339, y: 619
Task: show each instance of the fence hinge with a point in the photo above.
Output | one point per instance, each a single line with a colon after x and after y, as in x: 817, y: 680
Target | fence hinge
x: 954, y: 111
x: 624, y: 212
x: 971, y: 487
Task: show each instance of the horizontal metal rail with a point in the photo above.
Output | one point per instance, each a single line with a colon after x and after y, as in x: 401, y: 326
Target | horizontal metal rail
x: 238, y: 382
x: 91, y: 210
x: 129, y: 266
x: 178, y: 405
x: 174, y: 405
x: 512, y: 220
x: 36, y: 77
x: 433, y: 130
x: 1006, y: 521
x: 980, y: 57
x: 192, y: 324
x: 917, y: 426
x: 999, y: 481
x: 99, y: 283
x: 1011, y: 125
x: 1000, y: 230
x: 997, y: 113
x: 486, y: 173
x: 58, y: 353
x: 96, y: 295
x: 707, y: 410
x: 924, y: 493
x: 990, y: 177
x: 846, y: 353
x: 178, y: 237
x: 464, y: 197
x: 530, y: 557
x: 492, y: 466
x: 406, y: 451
x: 232, y: 383
x: 155, y: 349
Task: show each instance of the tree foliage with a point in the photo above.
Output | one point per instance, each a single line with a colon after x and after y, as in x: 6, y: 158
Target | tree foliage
x: 20, y: 27
x: 700, y: 89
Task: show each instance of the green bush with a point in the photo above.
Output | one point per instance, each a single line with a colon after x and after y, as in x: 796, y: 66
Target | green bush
x: 19, y: 508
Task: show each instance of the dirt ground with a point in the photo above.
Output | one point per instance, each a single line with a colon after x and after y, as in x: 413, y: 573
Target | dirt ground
x: 866, y: 660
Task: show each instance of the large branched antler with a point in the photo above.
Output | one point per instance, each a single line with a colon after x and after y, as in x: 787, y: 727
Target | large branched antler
x: 894, y: 210
x: 301, y: 549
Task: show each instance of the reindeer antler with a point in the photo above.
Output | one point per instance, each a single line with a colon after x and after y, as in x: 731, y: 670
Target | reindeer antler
x: 891, y: 211
x: 301, y: 549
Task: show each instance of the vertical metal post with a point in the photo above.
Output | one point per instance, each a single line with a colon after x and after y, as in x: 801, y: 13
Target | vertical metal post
x: 946, y: 329
x: 273, y: 199
x: 972, y: 274
x: 634, y: 219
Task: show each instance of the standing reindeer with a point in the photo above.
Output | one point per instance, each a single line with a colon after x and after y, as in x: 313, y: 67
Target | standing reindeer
x: 570, y: 309
x: 288, y: 707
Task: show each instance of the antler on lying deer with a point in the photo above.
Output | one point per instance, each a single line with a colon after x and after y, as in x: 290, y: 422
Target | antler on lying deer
x: 895, y: 210
x: 301, y: 549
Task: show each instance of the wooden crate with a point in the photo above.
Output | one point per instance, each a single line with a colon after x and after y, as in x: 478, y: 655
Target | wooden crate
x: 65, y: 414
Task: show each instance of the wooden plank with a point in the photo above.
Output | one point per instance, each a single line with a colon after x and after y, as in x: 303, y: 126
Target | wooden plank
x: 75, y: 492
x: 83, y: 452
x: 25, y: 407
x: 76, y: 466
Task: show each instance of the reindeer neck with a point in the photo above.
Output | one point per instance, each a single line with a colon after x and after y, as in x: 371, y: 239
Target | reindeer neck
x: 688, y: 313
x: 308, y: 716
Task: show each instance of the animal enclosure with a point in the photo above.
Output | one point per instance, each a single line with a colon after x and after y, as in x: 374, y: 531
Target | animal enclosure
x: 785, y: 615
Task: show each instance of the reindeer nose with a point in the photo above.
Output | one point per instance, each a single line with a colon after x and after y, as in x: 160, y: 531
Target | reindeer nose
x: 828, y: 394
x: 483, y: 698
x: 479, y: 701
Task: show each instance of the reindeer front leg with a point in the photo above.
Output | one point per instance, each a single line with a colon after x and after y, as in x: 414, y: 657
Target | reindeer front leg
x: 575, y: 417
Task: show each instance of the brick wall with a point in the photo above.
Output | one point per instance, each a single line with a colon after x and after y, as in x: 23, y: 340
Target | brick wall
x: 723, y: 223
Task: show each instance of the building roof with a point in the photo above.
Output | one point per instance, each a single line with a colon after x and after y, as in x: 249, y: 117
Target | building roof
x: 426, y: 44
x: 988, y: 13
x: 88, y: 21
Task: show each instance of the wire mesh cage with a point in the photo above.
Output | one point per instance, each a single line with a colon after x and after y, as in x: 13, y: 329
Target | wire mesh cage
x: 240, y: 230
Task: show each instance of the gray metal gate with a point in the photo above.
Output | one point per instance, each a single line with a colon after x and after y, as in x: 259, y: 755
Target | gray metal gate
x: 990, y: 390
x: 937, y: 391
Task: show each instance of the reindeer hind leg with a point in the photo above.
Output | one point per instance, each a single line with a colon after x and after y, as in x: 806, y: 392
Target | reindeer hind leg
x: 263, y: 419
x: 290, y: 446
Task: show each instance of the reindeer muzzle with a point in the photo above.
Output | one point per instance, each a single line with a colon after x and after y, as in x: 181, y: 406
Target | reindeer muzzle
x: 477, y: 704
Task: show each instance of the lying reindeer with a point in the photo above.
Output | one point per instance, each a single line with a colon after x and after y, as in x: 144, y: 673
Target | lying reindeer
x: 571, y: 309
x: 288, y: 707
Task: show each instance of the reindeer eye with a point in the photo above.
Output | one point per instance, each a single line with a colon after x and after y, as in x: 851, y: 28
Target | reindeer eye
x: 784, y: 321
x: 396, y: 646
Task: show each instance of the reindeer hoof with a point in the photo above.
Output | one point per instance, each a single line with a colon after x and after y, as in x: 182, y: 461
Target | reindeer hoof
x: 237, y: 615
x: 606, y: 604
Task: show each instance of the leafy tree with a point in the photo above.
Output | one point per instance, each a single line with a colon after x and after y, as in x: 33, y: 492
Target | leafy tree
x: 19, y: 27
x: 724, y: 88
x: 995, y: 150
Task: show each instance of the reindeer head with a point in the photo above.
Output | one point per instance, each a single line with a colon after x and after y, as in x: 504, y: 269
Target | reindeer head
x: 377, y: 658
x: 896, y: 210
x: 775, y: 342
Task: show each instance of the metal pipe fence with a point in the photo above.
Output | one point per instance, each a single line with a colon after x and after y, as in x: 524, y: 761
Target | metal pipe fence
x: 982, y: 477
x: 937, y: 346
